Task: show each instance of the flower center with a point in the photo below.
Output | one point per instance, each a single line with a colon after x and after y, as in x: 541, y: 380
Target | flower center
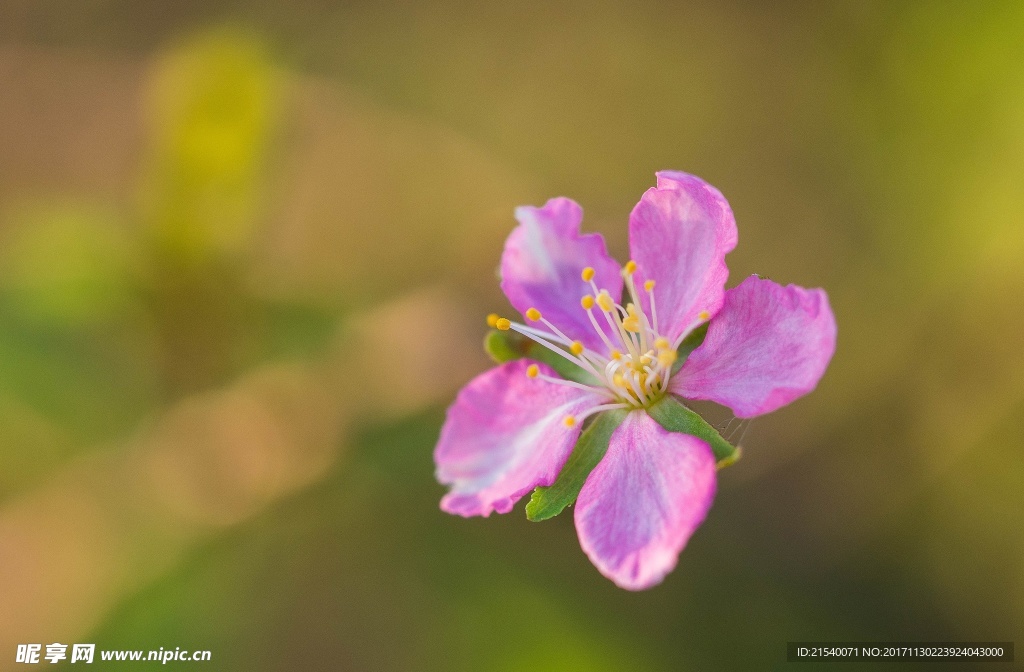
x: 634, y: 369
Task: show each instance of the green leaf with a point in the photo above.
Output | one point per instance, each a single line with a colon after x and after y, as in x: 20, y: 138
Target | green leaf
x: 675, y: 417
x: 689, y: 344
x: 548, y: 502
x: 504, y: 346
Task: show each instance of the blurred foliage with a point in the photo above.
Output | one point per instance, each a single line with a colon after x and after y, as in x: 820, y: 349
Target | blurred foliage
x: 390, y: 609
x: 109, y: 314
x: 195, y: 194
x: 68, y: 265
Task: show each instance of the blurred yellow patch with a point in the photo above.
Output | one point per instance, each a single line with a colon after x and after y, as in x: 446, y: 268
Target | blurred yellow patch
x: 212, y: 105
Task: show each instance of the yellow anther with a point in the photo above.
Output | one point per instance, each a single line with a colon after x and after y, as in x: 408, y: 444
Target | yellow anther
x: 667, y: 357
x: 532, y: 371
x: 645, y: 360
x: 492, y: 320
x: 629, y: 268
x: 661, y: 344
x: 605, y: 302
x: 502, y: 324
x: 587, y: 274
x: 649, y: 285
x: 587, y: 302
x: 569, y: 420
x: 616, y: 354
x: 619, y: 380
x: 704, y: 315
x: 533, y: 314
x: 631, y: 324
x: 576, y: 348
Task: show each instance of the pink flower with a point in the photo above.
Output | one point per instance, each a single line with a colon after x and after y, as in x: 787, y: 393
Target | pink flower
x: 513, y: 428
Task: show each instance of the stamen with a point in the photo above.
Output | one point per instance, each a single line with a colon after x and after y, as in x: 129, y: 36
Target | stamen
x: 649, y: 286
x: 593, y: 321
x: 572, y: 383
x: 492, y: 320
x: 597, y: 409
x: 636, y: 302
x: 701, y: 318
x: 650, y: 379
x: 569, y: 420
x: 631, y: 322
x: 533, y: 332
x: 625, y: 391
x: 638, y: 365
x: 636, y: 388
x: 558, y: 332
x: 611, y: 314
x: 540, y: 339
x: 547, y: 340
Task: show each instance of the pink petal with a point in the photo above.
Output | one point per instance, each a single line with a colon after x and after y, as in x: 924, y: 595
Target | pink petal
x: 542, y: 262
x: 767, y: 346
x: 643, y: 501
x: 679, y: 234
x: 505, y: 435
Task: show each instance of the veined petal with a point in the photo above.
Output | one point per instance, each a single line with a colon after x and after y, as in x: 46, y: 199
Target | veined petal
x: 504, y: 436
x: 767, y: 346
x: 644, y: 500
x: 679, y: 234
x: 542, y: 262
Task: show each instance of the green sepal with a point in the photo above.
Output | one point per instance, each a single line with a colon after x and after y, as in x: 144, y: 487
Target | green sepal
x: 689, y: 344
x: 501, y: 347
x: 548, y: 502
x: 675, y: 417
x: 504, y: 346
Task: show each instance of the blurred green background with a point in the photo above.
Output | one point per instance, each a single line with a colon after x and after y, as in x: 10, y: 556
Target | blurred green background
x: 246, y: 248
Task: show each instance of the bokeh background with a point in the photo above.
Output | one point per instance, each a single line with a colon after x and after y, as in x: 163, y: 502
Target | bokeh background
x: 246, y: 248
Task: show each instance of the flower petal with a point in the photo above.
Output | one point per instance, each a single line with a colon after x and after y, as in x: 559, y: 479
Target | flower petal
x: 505, y: 435
x: 644, y: 500
x: 542, y: 262
x: 679, y: 234
x: 767, y: 346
